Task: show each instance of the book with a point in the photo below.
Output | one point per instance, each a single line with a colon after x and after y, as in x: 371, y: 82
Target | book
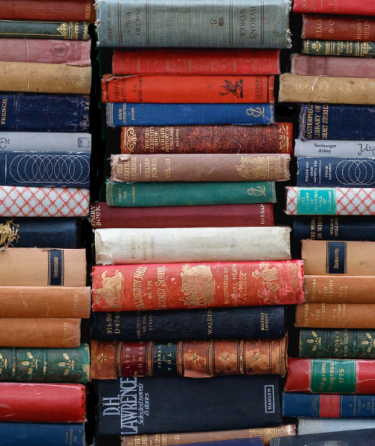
x: 334, y: 148
x: 191, y: 359
x: 51, y: 365
x: 45, y: 141
x: 273, y: 138
x: 211, y: 323
x: 104, y: 216
x: 197, y: 61
x: 194, y: 285
x: 330, y: 201
x: 121, y: 115
x: 255, y: 441
x: 339, y: 48
x: 247, y: 401
x: 43, y: 403
x: 236, y: 24
x: 171, y: 245
x: 45, y: 169
x: 188, y: 194
x: 43, y: 112
x: 199, y: 167
x: 366, y: 7
x: 20, y: 201
x: 32, y: 267
x: 362, y: 437
x: 333, y: 90
x: 21, y: 29
x: 311, y: 426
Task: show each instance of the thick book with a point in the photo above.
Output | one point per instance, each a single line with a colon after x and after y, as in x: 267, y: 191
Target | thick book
x: 45, y: 141
x: 45, y: 365
x: 45, y: 169
x: 220, y: 403
x: 334, y: 148
x: 188, y: 194
x: 310, y: 426
x: 42, y: 403
x: 346, y: 48
x: 230, y: 24
x: 121, y: 115
x: 42, y: 267
x: 104, y: 216
x: 196, y: 61
x: 199, y: 167
x: 348, y: 438
x: 191, y: 359
x: 365, y: 7
x: 274, y: 138
x: 171, y: 245
x: 212, y: 323
x: 31, y: 30
x: 28, y: 112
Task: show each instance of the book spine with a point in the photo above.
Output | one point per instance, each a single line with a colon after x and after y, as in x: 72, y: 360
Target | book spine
x: 45, y: 142
x: 338, y: 48
x: 46, y: 403
x: 333, y: 27
x: 209, y: 25
x: 344, y: 7
x: 208, y: 61
x: 120, y: 115
x: 191, y: 359
x: 274, y: 138
x: 334, y: 149
x: 202, y: 167
x: 104, y: 216
x: 44, y: 112
x: 356, y: 438
x: 17, y: 29
x: 306, y: 426
x: 40, y: 333
x: 173, y: 245
x: 217, y: 323
x: 59, y: 365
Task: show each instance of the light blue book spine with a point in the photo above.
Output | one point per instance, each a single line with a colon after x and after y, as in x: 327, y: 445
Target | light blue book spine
x: 45, y: 142
x: 310, y: 426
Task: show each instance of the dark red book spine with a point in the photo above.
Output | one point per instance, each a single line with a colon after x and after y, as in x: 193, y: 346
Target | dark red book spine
x: 104, y: 216
x: 350, y: 7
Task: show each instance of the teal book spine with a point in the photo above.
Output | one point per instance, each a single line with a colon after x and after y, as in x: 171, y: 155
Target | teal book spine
x: 21, y: 29
x: 189, y: 194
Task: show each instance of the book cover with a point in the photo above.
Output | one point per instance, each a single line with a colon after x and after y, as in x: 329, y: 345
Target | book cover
x: 334, y: 148
x: 339, y: 48
x: 45, y: 141
x: 347, y: 438
x: 32, y: 30
x: 311, y: 426
x: 366, y: 7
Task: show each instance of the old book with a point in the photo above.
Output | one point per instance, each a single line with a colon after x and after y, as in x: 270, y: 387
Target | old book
x: 209, y: 25
x: 104, y: 216
x: 33, y: 267
x: 339, y: 48
x: 191, y: 359
x: 30, y: 30
x: 274, y: 138
x: 199, y: 167
x: 311, y: 426
x: 45, y: 141
x: 366, y: 7
x: 247, y: 401
x: 362, y: 437
x: 334, y: 148
x: 135, y: 246
x: 52, y: 365
x: 198, y: 61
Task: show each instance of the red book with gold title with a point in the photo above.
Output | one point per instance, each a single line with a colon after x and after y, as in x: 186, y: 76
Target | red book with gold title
x: 350, y: 7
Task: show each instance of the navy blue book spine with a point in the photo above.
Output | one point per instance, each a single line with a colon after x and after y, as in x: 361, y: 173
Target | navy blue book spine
x: 37, y: 434
x: 45, y: 169
x: 217, y: 323
x: 38, y: 232
x: 25, y: 112
x: 322, y: 121
x: 120, y: 115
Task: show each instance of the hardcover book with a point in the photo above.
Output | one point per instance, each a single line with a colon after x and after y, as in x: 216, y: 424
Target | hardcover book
x: 366, y: 7
x: 44, y: 141
x: 347, y: 438
x: 334, y: 148
x: 34, y: 30
x: 339, y: 48
x: 311, y: 426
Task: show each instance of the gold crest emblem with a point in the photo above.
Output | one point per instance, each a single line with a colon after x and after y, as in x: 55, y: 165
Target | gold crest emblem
x: 3, y: 363
x: 316, y: 341
x: 130, y: 139
x: 270, y: 276
x: 111, y: 291
x: 63, y: 30
x: 198, y: 285
x: 225, y: 356
x: 32, y: 363
x: 254, y: 168
x: 68, y: 363
x: 194, y: 357
x: 8, y: 232
x: 370, y: 343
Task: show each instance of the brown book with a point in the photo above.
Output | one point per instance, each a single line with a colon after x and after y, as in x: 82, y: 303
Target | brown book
x: 45, y: 302
x: 43, y: 333
x: 43, y: 267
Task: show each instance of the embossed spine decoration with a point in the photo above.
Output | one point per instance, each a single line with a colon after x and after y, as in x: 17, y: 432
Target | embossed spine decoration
x: 18, y: 29
x: 339, y: 48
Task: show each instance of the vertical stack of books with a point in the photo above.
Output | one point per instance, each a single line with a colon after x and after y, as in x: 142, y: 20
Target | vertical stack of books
x: 45, y: 148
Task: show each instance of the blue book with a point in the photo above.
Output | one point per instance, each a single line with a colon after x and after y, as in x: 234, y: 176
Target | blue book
x: 120, y: 115
x: 45, y: 169
x: 322, y: 121
x: 44, y: 112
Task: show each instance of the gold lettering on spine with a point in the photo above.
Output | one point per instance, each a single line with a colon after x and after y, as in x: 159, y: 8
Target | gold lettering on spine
x: 162, y: 287
x: 198, y: 285
x: 4, y: 104
x: 138, y: 278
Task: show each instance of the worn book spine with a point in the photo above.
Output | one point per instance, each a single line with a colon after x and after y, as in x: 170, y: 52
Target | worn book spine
x: 237, y: 24
x: 17, y: 29
x: 334, y: 148
x: 42, y: 267
x: 40, y: 333
x: 210, y: 61
x: 47, y: 365
x: 46, y: 403
x: 44, y: 112
x: 104, y: 216
x: 345, y: 7
x: 191, y: 359
x: 45, y: 141
x: 333, y: 27
x: 311, y: 426
x: 216, y: 323
x: 341, y: 48
x: 198, y: 167
x: 362, y: 437
x: 274, y: 138
x: 122, y: 115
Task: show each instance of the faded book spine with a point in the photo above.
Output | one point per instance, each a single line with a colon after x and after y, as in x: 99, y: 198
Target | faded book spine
x: 345, y: 7
x: 20, y: 29
x: 362, y: 437
x: 306, y: 426
x: 341, y: 48
x: 334, y: 148
x: 198, y: 167
x: 45, y: 141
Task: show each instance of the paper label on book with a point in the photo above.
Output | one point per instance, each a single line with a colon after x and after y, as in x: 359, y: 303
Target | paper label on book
x: 56, y: 267
x: 333, y: 376
x: 336, y: 257
x: 316, y: 201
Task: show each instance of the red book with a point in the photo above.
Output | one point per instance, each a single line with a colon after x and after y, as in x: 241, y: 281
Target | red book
x: 350, y: 7
x: 335, y: 27
x: 104, y: 216
x: 176, y: 286
x: 188, y: 89
x: 42, y: 403
x: 196, y: 61
x: 59, y: 10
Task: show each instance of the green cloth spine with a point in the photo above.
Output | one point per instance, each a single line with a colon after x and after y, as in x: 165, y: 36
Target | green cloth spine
x: 44, y: 30
x: 338, y: 48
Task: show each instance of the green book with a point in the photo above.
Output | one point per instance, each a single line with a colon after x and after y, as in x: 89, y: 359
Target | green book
x: 22, y: 29
x: 338, y: 48
x: 189, y: 194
